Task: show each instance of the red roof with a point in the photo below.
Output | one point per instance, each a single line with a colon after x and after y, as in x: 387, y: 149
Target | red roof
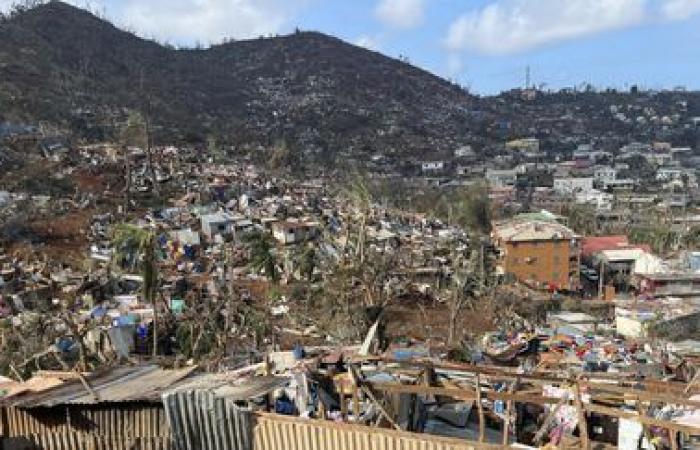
x: 595, y: 244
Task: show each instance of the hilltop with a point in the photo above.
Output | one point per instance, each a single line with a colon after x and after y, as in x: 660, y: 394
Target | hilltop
x: 64, y: 66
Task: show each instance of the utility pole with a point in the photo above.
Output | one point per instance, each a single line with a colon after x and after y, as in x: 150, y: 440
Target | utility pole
x: 601, y: 274
x: 527, y: 77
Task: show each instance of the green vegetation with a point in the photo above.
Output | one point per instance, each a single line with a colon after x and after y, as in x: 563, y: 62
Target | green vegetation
x: 136, y: 248
x: 263, y: 256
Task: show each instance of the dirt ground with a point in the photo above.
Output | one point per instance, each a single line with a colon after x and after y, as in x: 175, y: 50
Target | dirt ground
x: 427, y: 321
x: 62, y: 238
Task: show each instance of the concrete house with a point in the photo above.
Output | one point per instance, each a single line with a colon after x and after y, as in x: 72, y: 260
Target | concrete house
x: 539, y: 253
x: 604, y: 173
x: 217, y: 223
x: 572, y: 185
x: 288, y: 232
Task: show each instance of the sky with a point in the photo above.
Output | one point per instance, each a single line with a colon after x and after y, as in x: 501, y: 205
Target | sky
x: 485, y: 45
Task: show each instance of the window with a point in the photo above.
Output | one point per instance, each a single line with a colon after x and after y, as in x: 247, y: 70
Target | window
x: 555, y: 275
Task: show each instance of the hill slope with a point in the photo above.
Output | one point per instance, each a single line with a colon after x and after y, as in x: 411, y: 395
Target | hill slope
x: 65, y: 66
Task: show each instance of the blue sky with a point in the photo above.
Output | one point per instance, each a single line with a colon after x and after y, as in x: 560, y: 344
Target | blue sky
x: 484, y: 44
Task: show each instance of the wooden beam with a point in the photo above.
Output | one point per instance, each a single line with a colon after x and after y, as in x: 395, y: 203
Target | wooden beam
x: 466, y: 394
x: 462, y: 393
x: 480, y: 409
x: 367, y: 389
x: 639, y: 395
x: 582, y: 422
x: 553, y: 377
x: 509, y: 411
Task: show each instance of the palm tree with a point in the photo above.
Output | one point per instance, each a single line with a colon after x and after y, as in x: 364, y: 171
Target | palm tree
x: 137, y: 247
x: 308, y: 261
x: 262, y: 254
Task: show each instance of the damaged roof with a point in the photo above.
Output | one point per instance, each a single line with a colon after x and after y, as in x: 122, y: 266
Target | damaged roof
x: 121, y: 384
x: 533, y: 230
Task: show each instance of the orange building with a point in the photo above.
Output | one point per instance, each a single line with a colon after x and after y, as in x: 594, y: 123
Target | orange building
x: 540, y: 254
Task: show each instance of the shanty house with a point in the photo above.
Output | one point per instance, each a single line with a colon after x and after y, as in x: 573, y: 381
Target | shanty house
x: 288, y: 232
x: 217, y: 223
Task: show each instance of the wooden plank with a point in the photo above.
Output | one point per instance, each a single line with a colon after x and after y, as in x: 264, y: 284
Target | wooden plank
x: 480, y: 409
x: 367, y: 389
x: 343, y: 405
x: 467, y: 394
x: 640, y: 395
x: 462, y: 393
x: 553, y: 377
x: 509, y: 412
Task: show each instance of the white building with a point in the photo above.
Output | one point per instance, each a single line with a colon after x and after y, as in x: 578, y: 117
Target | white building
x: 464, y: 151
x: 433, y: 166
x: 217, y: 223
x: 668, y: 174
x: 604, y: 173
x: 573, y: 185
x: 501, y: 178
x: 602, y: 201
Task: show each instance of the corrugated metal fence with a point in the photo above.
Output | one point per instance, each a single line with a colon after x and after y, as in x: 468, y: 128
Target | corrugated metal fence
x: 201, y: 420
x: 198, y: 420
x: 82, y: 441
x: 86, y: 427
x: 274, y: 432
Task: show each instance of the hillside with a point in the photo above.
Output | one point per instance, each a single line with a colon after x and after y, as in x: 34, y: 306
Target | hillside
x: 64, y: 66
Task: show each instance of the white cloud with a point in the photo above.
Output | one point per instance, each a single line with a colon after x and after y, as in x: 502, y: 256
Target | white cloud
x: 508, y: 26
x: 680, y: 9
x: 368, y: 42
x: 207, y: 20
x: 186, y: 21
x: 400, y: 13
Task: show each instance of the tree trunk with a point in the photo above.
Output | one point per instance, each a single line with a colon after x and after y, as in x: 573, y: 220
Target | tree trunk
x: 361, y: 243
x: 149, y: 154
x: 127, y: 189
x: 155, y: 327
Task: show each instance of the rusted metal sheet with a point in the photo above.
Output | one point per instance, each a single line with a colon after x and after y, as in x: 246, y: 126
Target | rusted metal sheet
x: 123, y: 384
x: 200, y: 419
x: 274, y: 432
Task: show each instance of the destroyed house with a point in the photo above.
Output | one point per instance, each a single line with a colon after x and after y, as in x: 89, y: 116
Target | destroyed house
x: 218, y: 223
x: 224, y: 224
x: 681, y: 284
x: 288, y: 232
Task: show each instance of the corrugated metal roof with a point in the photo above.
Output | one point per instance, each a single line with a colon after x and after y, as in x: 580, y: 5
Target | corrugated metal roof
x: 122, y: 384
x: 198, y: 419
x: 235, y: 390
